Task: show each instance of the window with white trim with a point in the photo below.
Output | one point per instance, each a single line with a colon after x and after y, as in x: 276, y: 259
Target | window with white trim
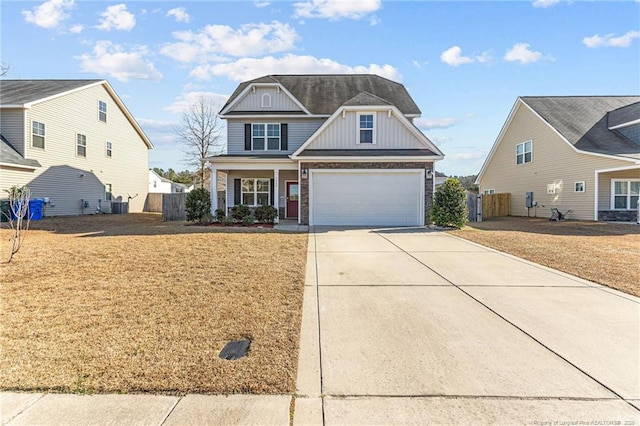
x: 489, y: 191
x: 524, y: 152
x: 81, y: 145
x: 265, y: 136
x: 109, y: 149
x: 37, y: 134
x: 256, y: 192
x: 625, y: 194
x: 108, y: 196
x: 366, y: 127
x: 579, y: 186
x: 102, y: 111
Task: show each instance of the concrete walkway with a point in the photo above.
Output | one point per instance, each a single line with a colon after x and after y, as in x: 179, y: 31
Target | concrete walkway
x: 408, y: 326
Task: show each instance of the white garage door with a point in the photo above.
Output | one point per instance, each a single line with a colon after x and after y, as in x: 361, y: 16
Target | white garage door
x: 366, y: 198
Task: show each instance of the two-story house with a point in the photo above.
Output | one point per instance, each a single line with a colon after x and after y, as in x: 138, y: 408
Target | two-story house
x: 73, y: 143
x: 327, y: 150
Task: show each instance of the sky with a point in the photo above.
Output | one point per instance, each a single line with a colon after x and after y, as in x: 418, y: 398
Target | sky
x: 464, y: 63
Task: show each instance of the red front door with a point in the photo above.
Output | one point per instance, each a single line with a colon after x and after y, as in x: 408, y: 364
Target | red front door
x: 292, y: 199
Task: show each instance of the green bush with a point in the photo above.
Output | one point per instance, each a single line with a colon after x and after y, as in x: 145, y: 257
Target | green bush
x: 265, y: 214
x: 219, y: 214
x: 226, y: 221
x: 450, y: 204
x: 240, y: 211
x: 198, y: 205
x: 247, y: 220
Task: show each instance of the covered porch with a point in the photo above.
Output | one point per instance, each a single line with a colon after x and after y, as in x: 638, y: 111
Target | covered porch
x: 617, y: 194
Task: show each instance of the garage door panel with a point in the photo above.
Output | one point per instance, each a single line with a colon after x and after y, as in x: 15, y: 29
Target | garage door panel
x: 366, y: 199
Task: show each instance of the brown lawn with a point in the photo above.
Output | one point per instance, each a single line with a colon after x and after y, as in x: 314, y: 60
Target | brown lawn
x: 605, y: 253
x: 127, y: 303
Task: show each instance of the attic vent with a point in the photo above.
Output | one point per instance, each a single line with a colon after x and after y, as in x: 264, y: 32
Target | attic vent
x: 266, y: 100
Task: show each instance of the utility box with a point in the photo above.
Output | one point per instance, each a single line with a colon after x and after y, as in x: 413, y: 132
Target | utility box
x: 529, y: 199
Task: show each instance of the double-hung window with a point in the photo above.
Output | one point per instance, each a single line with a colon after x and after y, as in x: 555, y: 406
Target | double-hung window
x: 366, y: 128
x: 109, y: 149
x: 255, y: 192
x: 81, y: 145
x: 625, y: 194
x: 265, y: 136
x: 37, y: 134
x: 523, y: 152
x: 102, y: 111
x: 108, y: 194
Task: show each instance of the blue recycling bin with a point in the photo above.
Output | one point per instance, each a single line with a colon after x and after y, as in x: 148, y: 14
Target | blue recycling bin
x: 36, y: 208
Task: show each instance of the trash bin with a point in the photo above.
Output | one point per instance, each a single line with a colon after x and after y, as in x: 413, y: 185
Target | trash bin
x: 36, y: 208
x: 5, y: 206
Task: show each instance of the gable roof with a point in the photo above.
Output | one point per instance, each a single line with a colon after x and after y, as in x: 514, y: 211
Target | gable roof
x: 25, y: 93
x: 10, y: 156
x: 624, y: 116
x: 583, y: 121
x: 323, y: 94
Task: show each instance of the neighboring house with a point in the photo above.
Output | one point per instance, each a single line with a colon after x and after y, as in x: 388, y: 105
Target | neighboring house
x: 440, y: 178
x: 162, y: 185
x: 72, y: 142
x: 327, y: 150
x: 577, y: 152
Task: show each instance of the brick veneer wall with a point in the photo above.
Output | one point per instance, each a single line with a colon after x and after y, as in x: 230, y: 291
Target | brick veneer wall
x: 428, y: 183
x: 618, y: 215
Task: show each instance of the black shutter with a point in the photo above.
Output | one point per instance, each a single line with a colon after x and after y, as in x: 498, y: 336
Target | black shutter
x: 237, y: 192
x: 273, y: 202
x: 247, y: 137
x: 284, y: 137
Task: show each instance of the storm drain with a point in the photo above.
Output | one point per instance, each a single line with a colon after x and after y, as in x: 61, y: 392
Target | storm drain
x: 235, y: 349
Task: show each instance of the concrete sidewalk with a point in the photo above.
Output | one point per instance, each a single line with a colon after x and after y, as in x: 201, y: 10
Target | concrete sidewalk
x: 408, y: 326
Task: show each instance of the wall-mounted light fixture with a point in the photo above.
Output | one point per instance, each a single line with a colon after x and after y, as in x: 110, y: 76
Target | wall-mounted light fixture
x: 304, y: 173
x: 427, y: 173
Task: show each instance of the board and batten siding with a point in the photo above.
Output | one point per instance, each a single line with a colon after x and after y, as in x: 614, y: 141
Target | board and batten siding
x: 299, y: 131
x: 390, y: 133
x: 253, y: 101
x: 553, y: 162
x: 67, y: 178
x: 12, y: 127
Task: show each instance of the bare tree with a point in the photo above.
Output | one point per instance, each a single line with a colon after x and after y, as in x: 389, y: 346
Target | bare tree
x: 201, y: 132
x: 18, y: 217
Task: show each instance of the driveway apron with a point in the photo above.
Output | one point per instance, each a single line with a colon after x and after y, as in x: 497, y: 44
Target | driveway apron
x: 412, y: 326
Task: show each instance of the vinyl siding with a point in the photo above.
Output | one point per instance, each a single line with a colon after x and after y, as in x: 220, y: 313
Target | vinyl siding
x: 284, y: 175
x: 59, y: 177
x: 12, y: 128
x: 604, y: 190
x: 253, y: 101
x: 10, y: 176
x: 553, y: 162
x: 299, y: 131
x: 390, y: 133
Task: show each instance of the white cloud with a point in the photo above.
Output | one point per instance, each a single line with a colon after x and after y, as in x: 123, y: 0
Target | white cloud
x: 545, y: 3
x: 453, y: 56
x: 117, y: 17
x: 439, y: 140
x: 374, y: 20
x: 610, y: 40
x: 248, y: 68
x: 49, y: 14
x: 186, y: 99
x: 76, y: 29
x: 435, y: 123
x: 469, y: 155
x: 179, y: 14
x: 520, y: 52
x: 261, y: 4
x: 214, y: 42
x: 335, y: 9
x: 113, y: 60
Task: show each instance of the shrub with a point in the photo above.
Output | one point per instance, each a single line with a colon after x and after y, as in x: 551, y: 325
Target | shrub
x: 450, y: 204
x: 265, y: 214
x: 198, y: 205
x: 240, y: 211
x: 247, y: 220
x: 226, y: 221
x: 219, y: 214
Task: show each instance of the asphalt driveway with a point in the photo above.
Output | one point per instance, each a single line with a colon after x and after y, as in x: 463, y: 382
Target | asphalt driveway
x: 409, y: 326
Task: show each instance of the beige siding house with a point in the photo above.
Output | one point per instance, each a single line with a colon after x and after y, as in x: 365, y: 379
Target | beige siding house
x: 74, y: 143
x: 580, y: 153
x: 327, y: 150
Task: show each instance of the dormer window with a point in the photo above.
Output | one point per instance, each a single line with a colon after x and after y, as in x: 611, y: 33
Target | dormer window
x: 266, y: 100
x: 366, y: 128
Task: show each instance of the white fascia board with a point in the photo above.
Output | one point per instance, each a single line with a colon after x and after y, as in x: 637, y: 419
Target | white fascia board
x: 16, y: 106
x: 255, y: 117
x: 386, y: 159
x: 623, y: 125
x: 619, y: 169
x: 18, y: 166
x: 250, y: 87
x: 401, y: 117
x: 252, y: 164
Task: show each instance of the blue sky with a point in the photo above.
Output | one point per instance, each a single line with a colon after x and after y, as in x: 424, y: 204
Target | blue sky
x: 464, y: 63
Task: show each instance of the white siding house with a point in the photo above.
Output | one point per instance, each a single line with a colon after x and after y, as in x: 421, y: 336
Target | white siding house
x: 73, y: 142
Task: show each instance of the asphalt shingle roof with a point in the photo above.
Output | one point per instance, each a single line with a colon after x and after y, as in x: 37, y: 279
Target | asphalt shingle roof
x: 20, y: 92
x: 583, y: 121
x: 325, y: 93
x: 9, y: 155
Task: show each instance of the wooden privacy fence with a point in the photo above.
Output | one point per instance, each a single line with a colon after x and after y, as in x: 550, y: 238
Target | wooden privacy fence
x: 153, y: 203
x: 496, y: 205
x: 173, y: 206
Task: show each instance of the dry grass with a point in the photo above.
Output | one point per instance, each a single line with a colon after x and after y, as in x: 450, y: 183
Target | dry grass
x: 130, y: 304
x: 605, y: 253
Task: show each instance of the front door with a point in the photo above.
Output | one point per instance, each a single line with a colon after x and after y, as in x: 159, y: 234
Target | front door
x: 292, y: 199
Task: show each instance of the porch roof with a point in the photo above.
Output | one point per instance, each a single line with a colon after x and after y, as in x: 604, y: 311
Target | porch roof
x: 368, y: 153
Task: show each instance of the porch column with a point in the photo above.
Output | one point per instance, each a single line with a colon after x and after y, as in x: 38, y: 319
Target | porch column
x: 276, y: 193
x: 213, y: 188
